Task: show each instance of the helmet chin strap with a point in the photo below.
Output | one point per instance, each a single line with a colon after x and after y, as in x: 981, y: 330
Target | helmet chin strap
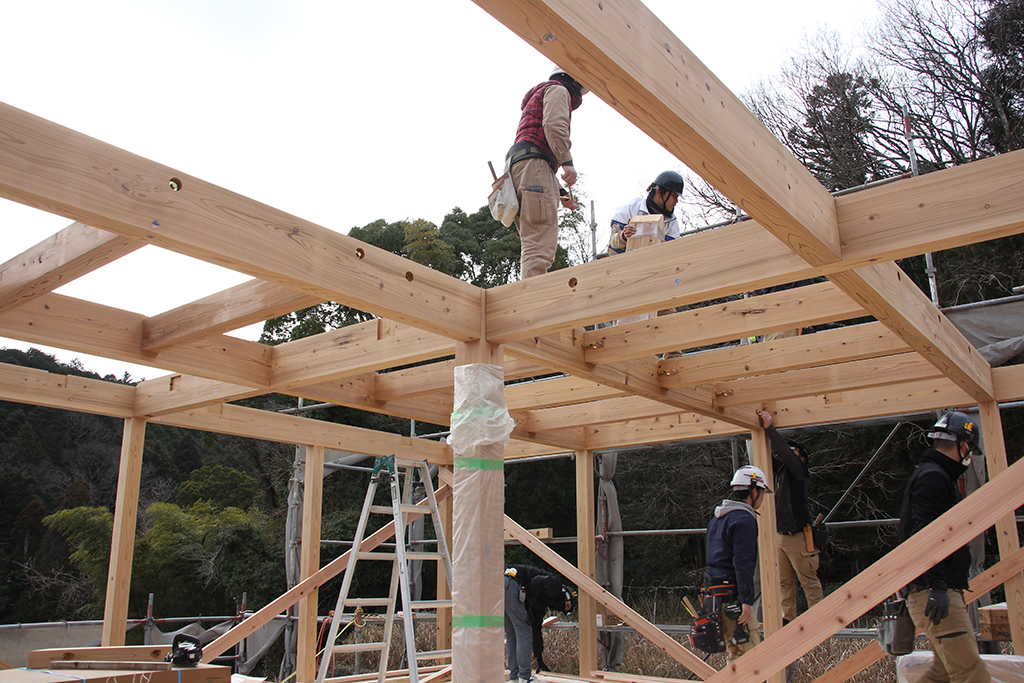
x: 965, y: 460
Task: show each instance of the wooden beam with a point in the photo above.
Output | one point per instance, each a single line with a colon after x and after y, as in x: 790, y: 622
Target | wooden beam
x: 679, y: 427
x: 893, y: 298
x: 1001, y: 495
x: 637, y: 376
x: 86, y: 327
x: 122, y: 543
x: 435, y: 377
x: 768, y: 546
x: 567, y: 439
x: 842, y: 345
x: 352, y: 350
x: 309, y: 562
x: 632, y: 61
x: 292, y: 595
x: 971, y: 203
x: 357, y: 392
x: 67, y: 392
x: 261, y: 424
x: 245, y: 304
x: 61, y: 171
x: 861, y: 374
x: 590, y: 587
x: 596, y: 413
x: 792, y: 308
x: 555, y: 391
x: 69, y: 254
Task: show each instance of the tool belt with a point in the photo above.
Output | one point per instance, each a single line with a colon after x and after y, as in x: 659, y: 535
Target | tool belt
x: 528, y: 150
x: 707, y: 629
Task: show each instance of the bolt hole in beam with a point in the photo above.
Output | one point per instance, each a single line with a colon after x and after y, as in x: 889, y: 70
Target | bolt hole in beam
x: 409, y: 276
x: 573, y: 282
x: 174, y: 184
x: 360, y: 253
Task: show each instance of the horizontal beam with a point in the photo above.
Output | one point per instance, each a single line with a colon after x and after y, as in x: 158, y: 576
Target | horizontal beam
x: 55, y: 169
x: 262, y: 424
x: 245, y: 304
x: 69, y: 254
x: 859, y: 374
x: 792, y: 308
x: 624, y: 54
x: 556, y: 391
x: 440, y: 376
x: 37, y: 387
x: 596, y: 413
x: 85, y: 327
x: 842, y: 345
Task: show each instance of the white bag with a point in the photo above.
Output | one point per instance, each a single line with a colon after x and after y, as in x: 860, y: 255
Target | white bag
x: 502, y: 200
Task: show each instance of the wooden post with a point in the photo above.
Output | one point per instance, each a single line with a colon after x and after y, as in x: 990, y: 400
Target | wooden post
x: 767, y: 547
x: 478, y: 543
x: 1006, y: 527
x: 122, y: 541
x: 585, y: 552
x: 309, y: 563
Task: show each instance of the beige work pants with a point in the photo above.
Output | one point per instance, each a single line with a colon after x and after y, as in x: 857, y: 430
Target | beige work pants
x: 537, y: 221
x: 732, y: 650
x: 796, y: 564
x: 956, y: 651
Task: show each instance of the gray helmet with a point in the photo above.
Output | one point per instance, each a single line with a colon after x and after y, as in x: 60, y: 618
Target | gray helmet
x: 955, y: 426
x: 668, y: 180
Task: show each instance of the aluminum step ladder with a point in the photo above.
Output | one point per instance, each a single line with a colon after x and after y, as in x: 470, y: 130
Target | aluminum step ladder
x: 386, y: 470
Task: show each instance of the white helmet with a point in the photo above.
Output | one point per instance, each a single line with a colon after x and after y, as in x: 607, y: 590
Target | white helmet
x: 748, y: 476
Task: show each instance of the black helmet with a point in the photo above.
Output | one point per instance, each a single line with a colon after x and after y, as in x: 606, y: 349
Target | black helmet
x: 955, y: 426
x: 668, y: 180
x: 804, y: 452
x: 185, y: 651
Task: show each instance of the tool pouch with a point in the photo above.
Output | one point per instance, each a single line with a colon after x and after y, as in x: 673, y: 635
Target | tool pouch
x: 707, y: 633
x: 502, y: 201
x: 896, y: 632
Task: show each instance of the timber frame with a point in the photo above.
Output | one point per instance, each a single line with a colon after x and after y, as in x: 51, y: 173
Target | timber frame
x: 614, y: 392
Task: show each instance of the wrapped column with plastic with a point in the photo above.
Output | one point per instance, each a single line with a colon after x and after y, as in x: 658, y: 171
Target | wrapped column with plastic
x: 481, y: 427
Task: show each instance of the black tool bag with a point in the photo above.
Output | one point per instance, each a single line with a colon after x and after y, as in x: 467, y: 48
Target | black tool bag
x: 896, y: 633
x: 707, y: 630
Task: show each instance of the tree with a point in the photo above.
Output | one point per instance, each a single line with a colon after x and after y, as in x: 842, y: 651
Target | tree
x: 1002, y: 33
x: 219, y: 487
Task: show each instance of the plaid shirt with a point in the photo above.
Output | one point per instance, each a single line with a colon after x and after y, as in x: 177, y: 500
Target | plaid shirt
x: 531, y: 124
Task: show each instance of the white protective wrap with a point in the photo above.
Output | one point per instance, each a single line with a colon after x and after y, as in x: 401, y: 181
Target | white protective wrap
x: 480, y: 416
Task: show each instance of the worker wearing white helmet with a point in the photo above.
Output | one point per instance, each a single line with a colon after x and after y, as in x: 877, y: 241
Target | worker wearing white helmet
x: 732, y: 559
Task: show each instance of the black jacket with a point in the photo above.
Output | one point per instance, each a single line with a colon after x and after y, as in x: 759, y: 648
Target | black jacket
x: 931, y: 491
x: 792, y: 511
x: 543, y: 592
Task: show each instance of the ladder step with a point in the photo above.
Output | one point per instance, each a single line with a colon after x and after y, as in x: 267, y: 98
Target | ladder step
x: 430, y: 604
x: 381, y: 509
x: 367, y: 602
x: 415, y: 555
x: 371, y: 555
x: 433, y: 654
x: 359, y: 647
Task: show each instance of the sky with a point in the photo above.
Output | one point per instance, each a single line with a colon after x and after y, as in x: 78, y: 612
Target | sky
x: 338, y: 112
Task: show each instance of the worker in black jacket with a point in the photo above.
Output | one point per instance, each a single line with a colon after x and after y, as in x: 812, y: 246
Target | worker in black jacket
x: 529, y: 593
x: 798, y: 558
x: 935, y: 599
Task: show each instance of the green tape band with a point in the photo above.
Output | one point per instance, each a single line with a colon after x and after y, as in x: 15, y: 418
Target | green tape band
x: 479, y: 464
x: 477, y: 621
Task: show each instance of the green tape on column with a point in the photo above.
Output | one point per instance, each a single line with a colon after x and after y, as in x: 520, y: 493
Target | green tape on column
x: 479, y: 464
x: 477, y: 621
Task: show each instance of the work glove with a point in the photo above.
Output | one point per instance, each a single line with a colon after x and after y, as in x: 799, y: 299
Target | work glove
x: 937, y: 608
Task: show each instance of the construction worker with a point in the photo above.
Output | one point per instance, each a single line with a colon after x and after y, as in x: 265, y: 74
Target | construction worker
x: 541, y: 147
x: 935, y: 599
x: 662, y: 196
x: 529, y: 593
x: 732, y: 559
x: 793, y: 521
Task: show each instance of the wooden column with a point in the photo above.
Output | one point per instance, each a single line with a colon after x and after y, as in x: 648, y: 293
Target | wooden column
x: 1006, y: 527
x: 586, y: 554
x: 444, y: 591
x: 767, y: 546
x: 309, y: 563
x: 478, y: 543
x: 122, y: 541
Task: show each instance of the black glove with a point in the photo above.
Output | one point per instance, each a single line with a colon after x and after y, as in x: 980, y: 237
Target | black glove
x: 938, y: 605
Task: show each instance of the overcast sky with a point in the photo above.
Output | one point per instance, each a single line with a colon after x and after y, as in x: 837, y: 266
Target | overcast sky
x: 339, y: 112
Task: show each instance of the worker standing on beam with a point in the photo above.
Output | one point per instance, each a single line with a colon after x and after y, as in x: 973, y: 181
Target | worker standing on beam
x: 542, y: 146
x: 935, y: 599
x: 732, y: 560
